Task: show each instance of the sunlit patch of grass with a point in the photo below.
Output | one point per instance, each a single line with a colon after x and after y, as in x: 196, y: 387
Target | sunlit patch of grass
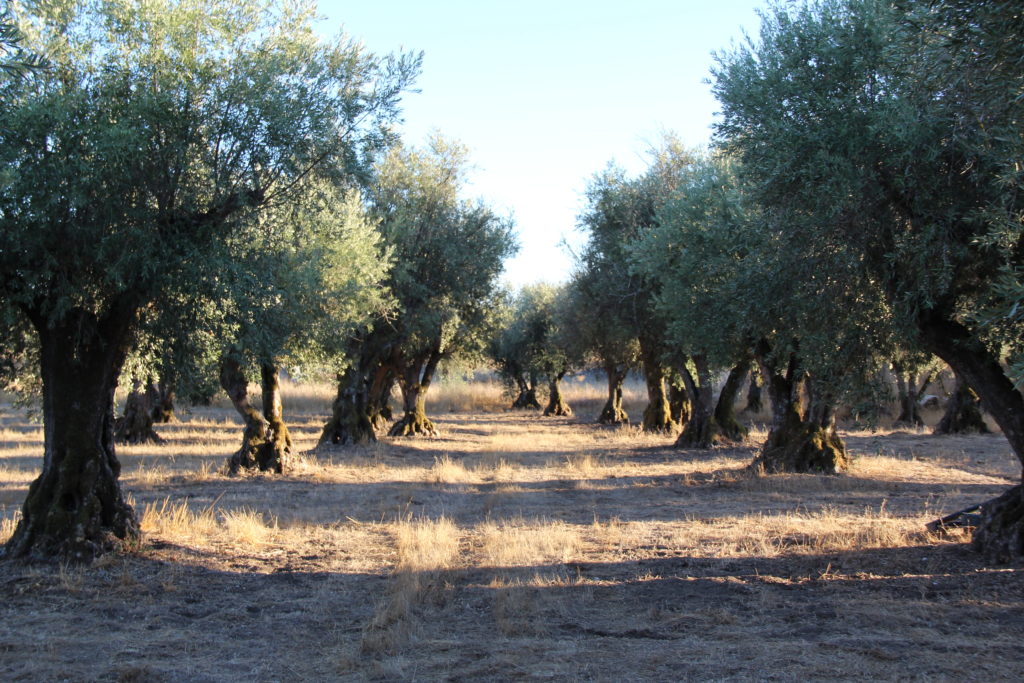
x: 518, y: 543
x: 447, y: 471
x: 177, y: 520
x: 248, y: 527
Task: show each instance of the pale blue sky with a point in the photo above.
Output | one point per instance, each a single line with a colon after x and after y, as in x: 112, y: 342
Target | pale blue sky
x: 545, y: 94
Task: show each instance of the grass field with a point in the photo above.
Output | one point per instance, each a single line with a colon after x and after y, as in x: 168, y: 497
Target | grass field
x: 520, y: 547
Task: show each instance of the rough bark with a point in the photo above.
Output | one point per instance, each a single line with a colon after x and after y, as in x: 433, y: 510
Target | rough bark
x: 556, y: 402
x: 135, y: 426
x: 701, y: 430
x: 679, y: 404
x: 350, y: 422
x: 414, y: 382
x: 613, y: 413
x: 963, y: 412
x: 255, y: 438
x: 800, y: 440
x: 725, y: 411
x: 74, y: 509
x: 658, y: 413
x: 277, y: 450
x: 998, y: 536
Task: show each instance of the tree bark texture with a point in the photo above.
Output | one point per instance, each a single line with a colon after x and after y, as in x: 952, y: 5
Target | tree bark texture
x: 679, y: 403
x: 613, y: 413
x: 658, y: 413
x: 998, y: 536
x: 278, y: 449
x: 800, y: 440
x: 963, y: 412
x: 556, y: 402
x: 257, y: 450
x: 74, y: 509
x: 135, y: 426
x: 527, y: 398
x: 414, y: 381
x: 701, y: 430
x: 350, y: 423
x: 725, y: 410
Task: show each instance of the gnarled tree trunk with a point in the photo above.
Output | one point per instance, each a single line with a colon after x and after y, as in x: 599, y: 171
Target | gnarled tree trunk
x: 613, y: 413
x: 963, y: 412
x: 1000, y: 536
x: 350, y: 422
x: 414, y: 381
x: 75, y: 509
x: 256, y: 434
x: 679, y: 403
x: 527, y: 398
x: 556, y: 403
x: 136, y: 425
x: 701, y: 430
x: 658, y: 413
x: 278, y: 449
x: 725, y: 410
x: 800, y: 440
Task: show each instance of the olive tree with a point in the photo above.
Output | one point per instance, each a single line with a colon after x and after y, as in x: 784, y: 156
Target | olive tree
x: 159, y: 134
x: 892, y: 130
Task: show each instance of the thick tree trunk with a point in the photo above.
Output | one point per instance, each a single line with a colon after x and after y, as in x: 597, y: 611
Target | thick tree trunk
x: 613, y: 413
x: 658, y: 413
x: 161, y: 400
x: 136, y: 425
x: 277, y: 451
x: 725, y: 411
x: 414, y: 383
x: 679, y: 404
x: 701, y: 430
x: 754, y: 401
x: 379, y: 397
x: 1000, y: 536
x: 556, y: 403
x: 799, y: 441
x: 350, y: 422
x: 527, y: 398
x: 256, y: 433
x: 74, y: 509
x: 963, y: 412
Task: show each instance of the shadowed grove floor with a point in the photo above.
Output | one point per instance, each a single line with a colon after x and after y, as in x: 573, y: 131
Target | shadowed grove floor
x: 514, y: 547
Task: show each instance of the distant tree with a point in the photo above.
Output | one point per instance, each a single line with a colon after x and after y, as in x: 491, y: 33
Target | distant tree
x: 448, y: 254
x: 158, y: 136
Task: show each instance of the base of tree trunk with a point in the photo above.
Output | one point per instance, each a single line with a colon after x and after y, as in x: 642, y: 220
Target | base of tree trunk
x: 700, y: 434
x: 58, y: 522
x: 557, y: 408
x: 730, y: 429
x: 962, y: 416
x: 414, y: 424
x: 803, y: 448
x: 348, y: 429
x: 264, y: 449
x: 136, y: 425
x: 526, y: 400
x: 1000, y: 534
x: 658, y: 418
x: 613, y: 415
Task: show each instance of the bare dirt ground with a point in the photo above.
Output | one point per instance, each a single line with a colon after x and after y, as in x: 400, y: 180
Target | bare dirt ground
x: 521, y: 547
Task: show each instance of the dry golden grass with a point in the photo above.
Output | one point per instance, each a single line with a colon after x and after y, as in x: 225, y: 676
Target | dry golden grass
x: 515, y: 546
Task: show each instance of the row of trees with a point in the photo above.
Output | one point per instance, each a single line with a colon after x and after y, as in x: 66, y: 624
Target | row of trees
x: 861, y: 207
x: 194, y: 192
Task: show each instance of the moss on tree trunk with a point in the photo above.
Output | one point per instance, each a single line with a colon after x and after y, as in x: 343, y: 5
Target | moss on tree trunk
x: 414, y: 381
x: 658, y: 413
x: 265, y: 446
x: 74, y: 509
x: 680, y: 406
x: 556, y: 402
x: 755, y: 403
x: 800, y: 440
